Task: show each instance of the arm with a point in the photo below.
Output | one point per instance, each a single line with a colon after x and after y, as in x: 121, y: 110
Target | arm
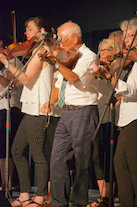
x: 32, y: 69
x: 4, y: 81
x: 66, y: 72
x: 50, y: 104
x: 126, y: 89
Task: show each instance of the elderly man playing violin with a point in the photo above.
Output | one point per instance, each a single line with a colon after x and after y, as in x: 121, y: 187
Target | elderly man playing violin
x: 126, y: 152
x: 78, y: 120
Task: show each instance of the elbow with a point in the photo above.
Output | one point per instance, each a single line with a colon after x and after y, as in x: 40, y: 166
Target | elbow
x: 74, y: 80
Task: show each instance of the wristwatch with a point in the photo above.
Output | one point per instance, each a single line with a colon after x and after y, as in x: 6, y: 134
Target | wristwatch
x: 56, y: 66
x: 7, y: 65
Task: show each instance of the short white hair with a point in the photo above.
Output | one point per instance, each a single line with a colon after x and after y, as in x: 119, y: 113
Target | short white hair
x: 129, y: 24
x: 72, y: 29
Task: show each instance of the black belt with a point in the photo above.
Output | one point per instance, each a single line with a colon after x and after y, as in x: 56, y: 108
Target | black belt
x: 71, y: 107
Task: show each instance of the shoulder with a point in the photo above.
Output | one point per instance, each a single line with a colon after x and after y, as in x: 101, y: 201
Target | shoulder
x: 88, y: 54
x: 86, y: 50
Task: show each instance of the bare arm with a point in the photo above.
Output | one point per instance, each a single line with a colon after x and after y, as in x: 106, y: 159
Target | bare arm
x: 32, y: 69
x: 66, y: 72
x: 50, y: 104
x: 4, y: 81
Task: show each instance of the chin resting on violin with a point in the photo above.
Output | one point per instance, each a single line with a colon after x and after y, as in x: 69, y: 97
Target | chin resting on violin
x: 106, y: 55
x: 132, y: 54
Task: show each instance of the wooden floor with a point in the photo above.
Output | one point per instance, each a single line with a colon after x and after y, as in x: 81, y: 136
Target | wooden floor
x: 93, y: 195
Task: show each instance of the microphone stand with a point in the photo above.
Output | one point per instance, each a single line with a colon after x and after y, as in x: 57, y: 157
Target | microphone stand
x: 7, y: 142
x: 112, y: 92
x: 4, y: 93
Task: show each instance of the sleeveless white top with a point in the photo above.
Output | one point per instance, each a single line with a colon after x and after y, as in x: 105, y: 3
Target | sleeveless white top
x: 35, y: 94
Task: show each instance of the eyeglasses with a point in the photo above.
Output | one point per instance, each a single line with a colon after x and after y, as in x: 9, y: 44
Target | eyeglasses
x: 106, y: 50
x: 64, y: 43
x: 128, y: 36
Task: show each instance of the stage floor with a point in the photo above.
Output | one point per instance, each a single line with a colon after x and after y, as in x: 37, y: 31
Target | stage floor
x: 93, y: 195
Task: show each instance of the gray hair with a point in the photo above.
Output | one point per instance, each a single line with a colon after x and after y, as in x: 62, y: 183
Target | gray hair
x: 116, y: 33
x: 129, y: 24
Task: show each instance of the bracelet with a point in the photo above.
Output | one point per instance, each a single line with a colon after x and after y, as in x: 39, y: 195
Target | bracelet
x: 7, y: 65
x: 56, y: 66
x: 109, y: 79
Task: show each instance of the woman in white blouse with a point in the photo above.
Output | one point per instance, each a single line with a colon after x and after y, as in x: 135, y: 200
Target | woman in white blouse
x: 37, y: 81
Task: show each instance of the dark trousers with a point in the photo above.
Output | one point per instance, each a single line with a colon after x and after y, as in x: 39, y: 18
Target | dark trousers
x: 75, y: 130
x: 50, y: 131
x: 31, y: 132
x: 101, y: 153
x: 15, y: 119
x: 125, y: 163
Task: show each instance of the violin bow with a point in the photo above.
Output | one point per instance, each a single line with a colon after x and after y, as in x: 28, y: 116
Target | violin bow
x: 7, y: 140
x: 115, y: 74
x: 99, y: 47
x: 13, y: 19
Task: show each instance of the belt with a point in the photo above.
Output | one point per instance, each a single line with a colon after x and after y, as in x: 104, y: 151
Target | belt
x: 71, y: 107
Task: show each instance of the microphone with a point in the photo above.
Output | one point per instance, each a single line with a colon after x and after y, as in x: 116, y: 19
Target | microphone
x: 54, y: 36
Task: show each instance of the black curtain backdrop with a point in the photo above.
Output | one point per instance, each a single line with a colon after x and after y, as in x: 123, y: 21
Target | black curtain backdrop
x: 96, y: 17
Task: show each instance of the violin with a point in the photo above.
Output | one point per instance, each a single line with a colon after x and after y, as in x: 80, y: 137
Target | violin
x: 66, y: 58
x: 113, y: 64
x: 20, y: 49
x: 117, y: 61
x: 106, y: 64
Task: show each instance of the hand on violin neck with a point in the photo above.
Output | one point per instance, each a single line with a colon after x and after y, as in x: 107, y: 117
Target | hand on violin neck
x: 47, y: 57
x: 100, y: 71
